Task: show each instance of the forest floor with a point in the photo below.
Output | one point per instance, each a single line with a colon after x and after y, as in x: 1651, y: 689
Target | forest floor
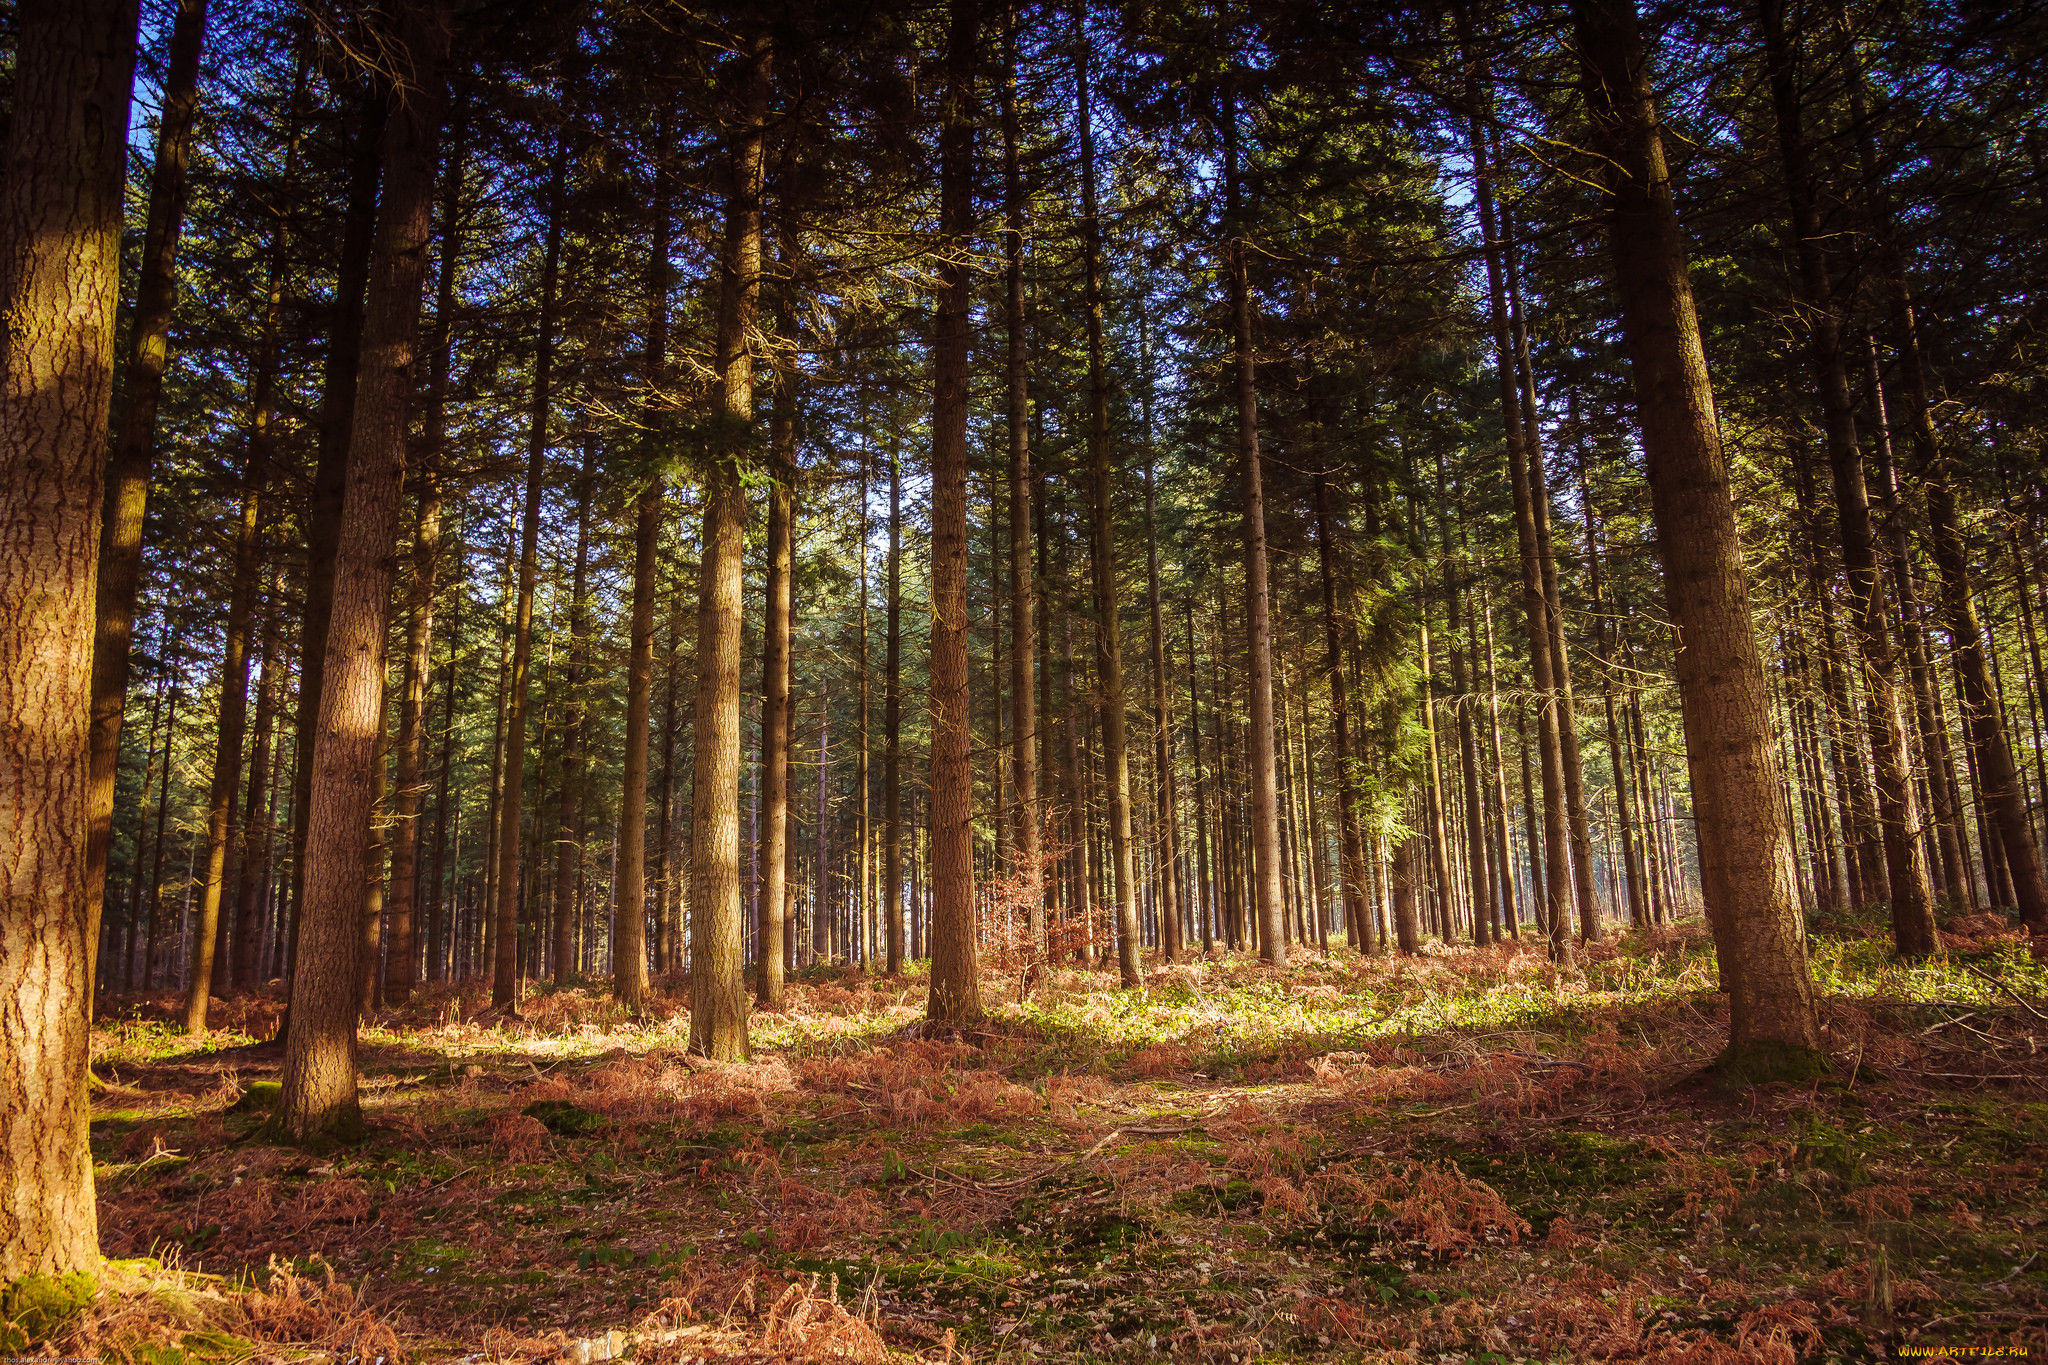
x: 1464, y: 1156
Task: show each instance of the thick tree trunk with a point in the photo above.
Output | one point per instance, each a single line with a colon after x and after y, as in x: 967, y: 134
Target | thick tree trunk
x: 319, y: 1082
x: 322, y: 514
x: 133, y: 453
x: 955, y: 997
x: 511, y: 802
x: 60, y: 230
x: 1266, y: 893
x: 1745, y: 837
x: 1912, y: 898
x: 718, y: 1001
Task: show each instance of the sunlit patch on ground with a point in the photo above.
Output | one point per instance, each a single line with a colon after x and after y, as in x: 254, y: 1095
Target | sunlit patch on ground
x: 1463, y: 1156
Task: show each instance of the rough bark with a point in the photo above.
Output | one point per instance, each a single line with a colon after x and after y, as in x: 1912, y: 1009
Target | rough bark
x: 60, y: 225
x: 319, y: 1081
x: 955, y: 997
x: 1744, y: 831
x: 718, y: 1012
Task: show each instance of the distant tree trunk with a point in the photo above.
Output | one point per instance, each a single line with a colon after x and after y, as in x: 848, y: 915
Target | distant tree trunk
x: 1024, y: 738
x: 1603, y: 637
x: 1950, y: 838
x: 60, y: 230
x: 1912, y: 898
x: 1511, y: 914
x: 319, y: 1081
x: 372, y: 920
x: 1204, y: 904
x: 402, y: 957
x: 1102, y: 560
x: 1478, y: 882
x: 1165, y: 784
x: 629, y: 926
x: 1406, y: 935
x: 1552, y: 863
x: 227, y: 753
x: 133, y: 453
x: 892, y: 726
x: 511, y: 803
x: 718, y: 1008
x: 1574, y: 770
x: 955, y: 997
x: 629, y: 932
x: 438, y: 935
x: 1745, y: 838
x: 568, y: 840
x: 1349, y: 799
x: 1258, y: 625
x: 255, y: 828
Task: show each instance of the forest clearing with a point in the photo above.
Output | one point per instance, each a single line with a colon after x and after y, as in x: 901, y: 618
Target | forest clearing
x: 1000, y: 680
x: 1465, y: 1155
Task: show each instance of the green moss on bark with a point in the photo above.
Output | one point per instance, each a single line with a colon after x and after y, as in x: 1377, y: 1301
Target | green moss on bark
x: 1760, y: 1063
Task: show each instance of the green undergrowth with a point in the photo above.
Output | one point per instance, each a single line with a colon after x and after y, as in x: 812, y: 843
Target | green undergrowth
x: 1467, y: 1156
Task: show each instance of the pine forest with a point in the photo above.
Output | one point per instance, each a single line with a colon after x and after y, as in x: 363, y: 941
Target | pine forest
x: 1004, y: 680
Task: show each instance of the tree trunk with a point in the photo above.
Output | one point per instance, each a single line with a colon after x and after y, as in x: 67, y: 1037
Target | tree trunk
x: 1258, y: 623
x: 505, y: 957
x: 60, y: 228
x: 319, y: 1081
x: 775, y: 709
x: 1554, y: 887
x: 401, y: 967
x: 1553, y: 611
x: 128, y: 463
x: 227, y: 752
x: 955, y: 997
x: 1024, y: 738
x: 255, y: 828
x: 1745, y: 838
x: 629, y: 931
x: 629, y: 900
x: 1109, y: 650
x: 892, y: 725
x: 1912, y: 898
x: 1350, y: 801
x: 1165, y: 787
x: 718, y: 1008
x: 322, y: 515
